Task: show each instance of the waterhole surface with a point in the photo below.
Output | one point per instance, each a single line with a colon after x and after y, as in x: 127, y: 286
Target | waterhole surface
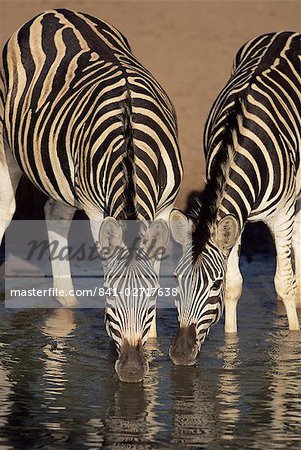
x: 58, y: 389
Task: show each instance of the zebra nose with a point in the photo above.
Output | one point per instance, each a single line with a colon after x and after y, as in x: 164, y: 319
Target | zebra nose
x: 184, y: 350
x: 131, y: 365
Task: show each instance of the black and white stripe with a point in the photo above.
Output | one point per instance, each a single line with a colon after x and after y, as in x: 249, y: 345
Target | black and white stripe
x: 263, y: 99
x: 70, y: 83
x: 252, y: 143
x: 130, y: 311
x: 199, y: 303
x: 88, y: 124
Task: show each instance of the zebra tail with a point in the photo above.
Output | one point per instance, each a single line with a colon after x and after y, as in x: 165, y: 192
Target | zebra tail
x: 128, y: 163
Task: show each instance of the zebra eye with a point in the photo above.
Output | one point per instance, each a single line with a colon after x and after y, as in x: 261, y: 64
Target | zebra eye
x: 217, y: 284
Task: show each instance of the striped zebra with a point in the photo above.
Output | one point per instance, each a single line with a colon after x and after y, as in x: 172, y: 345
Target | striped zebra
x: 252, y: 143
x: 92, y: 129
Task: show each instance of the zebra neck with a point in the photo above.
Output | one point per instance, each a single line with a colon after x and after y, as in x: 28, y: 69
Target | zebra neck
x: 205, y: 209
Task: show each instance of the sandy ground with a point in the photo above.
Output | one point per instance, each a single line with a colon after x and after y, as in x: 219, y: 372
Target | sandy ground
x: 187, y: 45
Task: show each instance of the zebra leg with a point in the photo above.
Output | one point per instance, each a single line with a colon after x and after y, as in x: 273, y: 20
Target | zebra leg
x: 95, y: 224
x: 233, y: 289
x: 58, y: 220
x: 10, y: 175
x: 153, y: 328
x: 297, y: 252
x: 285, y: 281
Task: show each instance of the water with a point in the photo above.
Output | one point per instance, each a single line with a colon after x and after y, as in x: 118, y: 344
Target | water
x: 58, y: 389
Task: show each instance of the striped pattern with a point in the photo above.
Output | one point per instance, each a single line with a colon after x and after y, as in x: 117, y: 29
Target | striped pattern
x: 252, y: 142
x: 92, y: 128
x: 197, y: 302
x: 66, y: 105
x: 130, y: 312
x: 265, y: 86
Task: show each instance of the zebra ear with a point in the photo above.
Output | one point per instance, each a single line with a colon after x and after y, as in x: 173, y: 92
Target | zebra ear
x: 226, y: 232
x: 180, y: 226
x: 110, y: 235
x: 156, y: 237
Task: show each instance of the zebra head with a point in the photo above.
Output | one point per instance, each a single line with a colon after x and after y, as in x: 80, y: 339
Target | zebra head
x: 131, y: 281
x: 201, y: 283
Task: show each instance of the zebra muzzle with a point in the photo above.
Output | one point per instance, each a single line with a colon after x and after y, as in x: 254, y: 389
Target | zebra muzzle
x: 131, y: 365
x: 184, y: 350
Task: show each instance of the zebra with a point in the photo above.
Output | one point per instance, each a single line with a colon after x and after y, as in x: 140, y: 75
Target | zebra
x: 93, y: 130
x: 252, y: 142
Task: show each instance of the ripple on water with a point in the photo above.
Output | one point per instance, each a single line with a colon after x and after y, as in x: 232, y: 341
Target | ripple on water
x: 58, y: 388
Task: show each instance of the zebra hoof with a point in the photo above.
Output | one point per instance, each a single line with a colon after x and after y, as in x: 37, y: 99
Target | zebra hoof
x: 131, y: 365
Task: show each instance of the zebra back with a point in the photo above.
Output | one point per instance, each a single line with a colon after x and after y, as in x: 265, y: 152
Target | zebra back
x: 252, y: 137
x: 87, y: 123
x: 254, y: 60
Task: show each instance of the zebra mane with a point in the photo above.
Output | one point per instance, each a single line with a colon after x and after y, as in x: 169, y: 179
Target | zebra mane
x: 202, y: 206
x: 128, y: 163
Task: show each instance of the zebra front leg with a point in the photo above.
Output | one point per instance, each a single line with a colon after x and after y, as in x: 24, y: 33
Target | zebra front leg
x: 297, y: 252
x: 153, y: 328
x: 157, y: 265
x: 58, y: 220
x: 10, y: 175
x: 285, y: 281
x: 234, y: 282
